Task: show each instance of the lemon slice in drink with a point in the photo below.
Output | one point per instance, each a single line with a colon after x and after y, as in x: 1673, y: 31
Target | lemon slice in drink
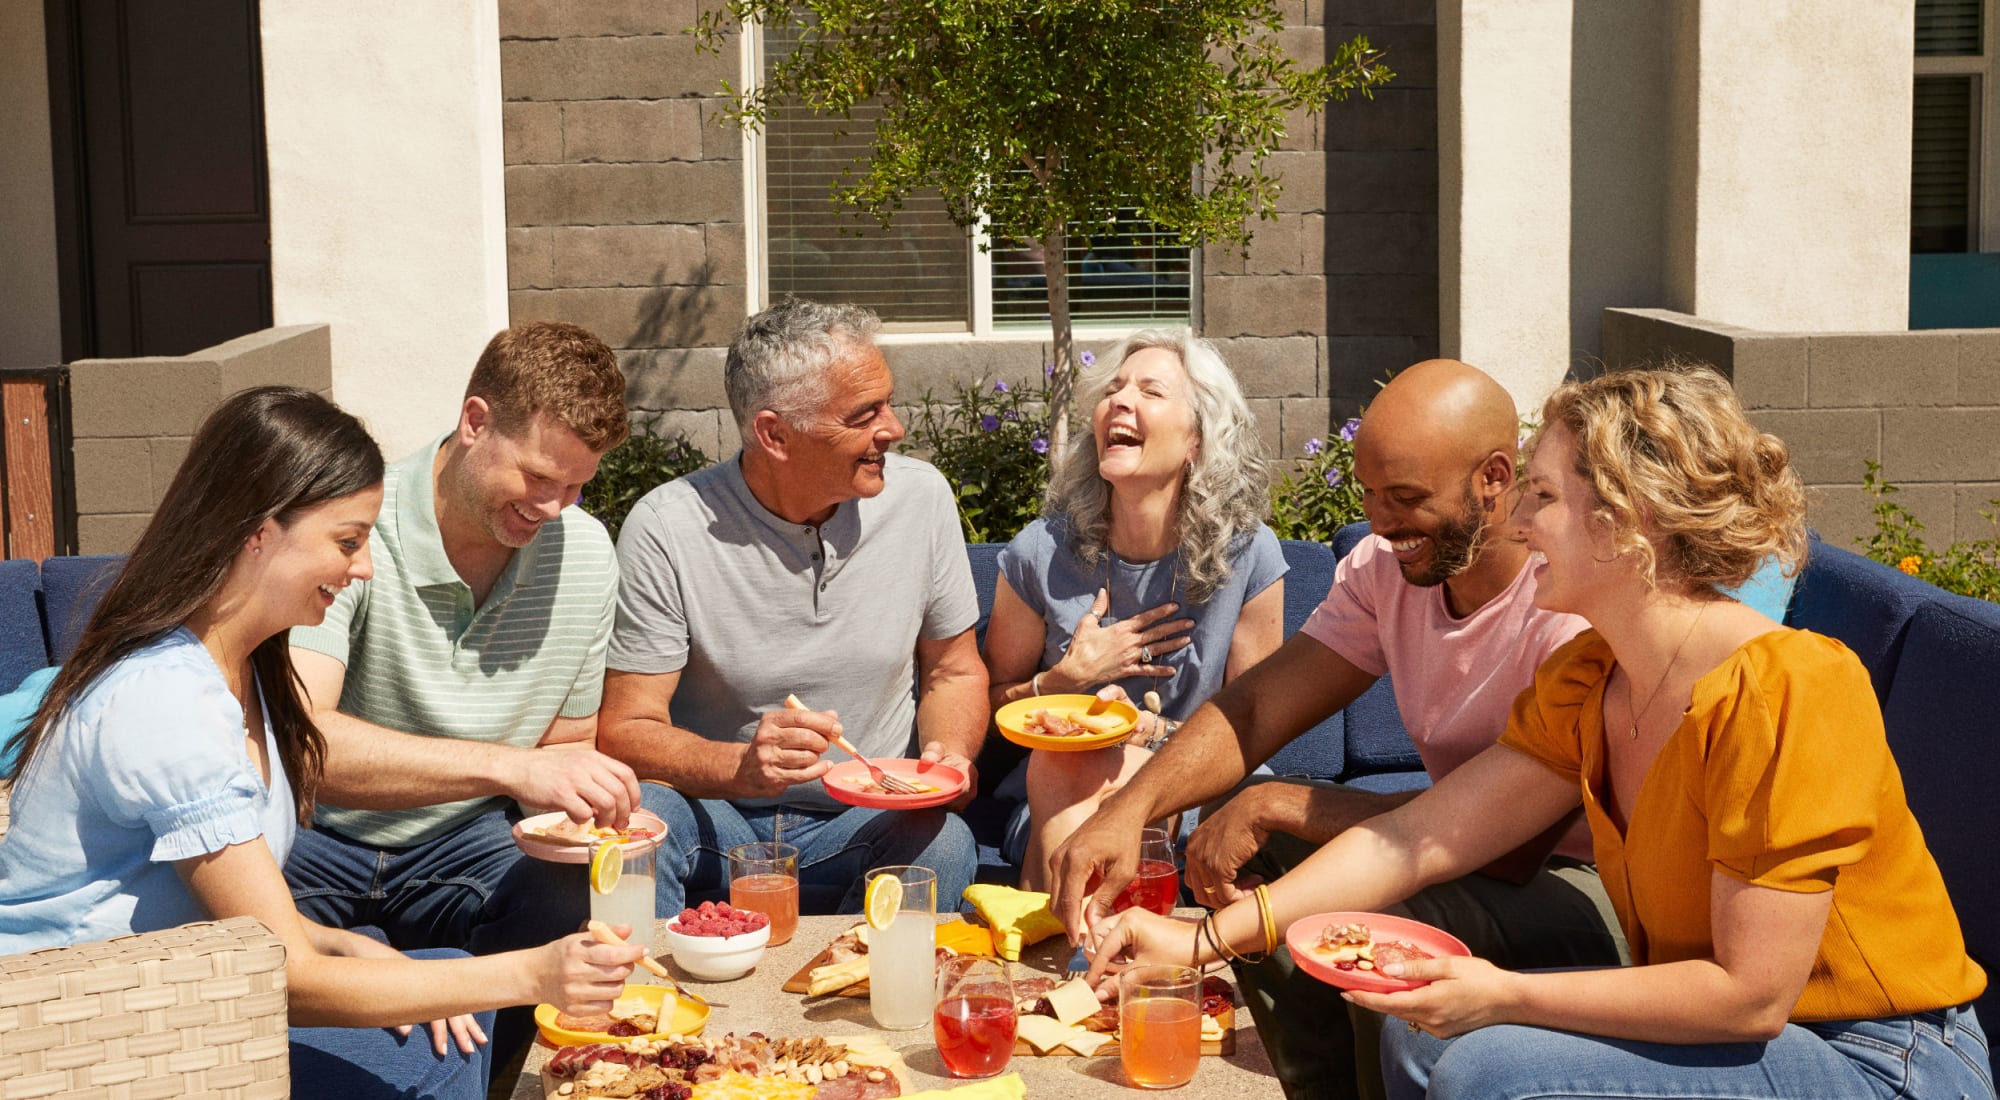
x: 607, y: 863
x: 884, y: 898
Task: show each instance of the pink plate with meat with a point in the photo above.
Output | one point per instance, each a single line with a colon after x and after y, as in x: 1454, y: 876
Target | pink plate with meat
x: 849, y: 782
x: 1393, y: 936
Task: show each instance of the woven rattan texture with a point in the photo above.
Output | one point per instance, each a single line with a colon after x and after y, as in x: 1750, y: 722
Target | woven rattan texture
x: 194, y: 1011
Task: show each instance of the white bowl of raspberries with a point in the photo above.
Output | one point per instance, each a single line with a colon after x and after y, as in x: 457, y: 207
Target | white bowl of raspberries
x: 717, y: 942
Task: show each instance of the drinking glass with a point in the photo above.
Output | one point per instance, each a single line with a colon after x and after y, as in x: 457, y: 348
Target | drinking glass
x: 764, y: 878
x: 902, y: 958
x: 631, y: 899
x: 974, y: 1018
x: 1159, y: 1024
x: 1157, y: 885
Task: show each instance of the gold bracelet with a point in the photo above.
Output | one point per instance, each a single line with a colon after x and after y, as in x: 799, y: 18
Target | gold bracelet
x: 1270, y: 921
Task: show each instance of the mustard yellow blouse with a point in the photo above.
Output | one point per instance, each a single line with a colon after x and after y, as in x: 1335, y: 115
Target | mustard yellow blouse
x: 1779, y: 775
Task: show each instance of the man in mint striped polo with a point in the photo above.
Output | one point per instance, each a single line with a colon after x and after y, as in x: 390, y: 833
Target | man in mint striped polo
x: 459, y: 687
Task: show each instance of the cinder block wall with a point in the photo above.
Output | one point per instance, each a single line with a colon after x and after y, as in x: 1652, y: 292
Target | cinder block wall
x: 625, y: 213
x: 1926, y: 405
x: 133, y: 419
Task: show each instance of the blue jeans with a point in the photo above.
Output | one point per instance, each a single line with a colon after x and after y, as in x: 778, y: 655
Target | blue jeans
x: 471, y: 889
x: 366, y: 1063
x: 836, y: 848
x: 1938, y: 1055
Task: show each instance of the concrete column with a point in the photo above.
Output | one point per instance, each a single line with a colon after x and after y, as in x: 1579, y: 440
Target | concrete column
x: 1504, y: 189
x: 30, y: 309
x: 1789, y: 194
x: 388, y: 214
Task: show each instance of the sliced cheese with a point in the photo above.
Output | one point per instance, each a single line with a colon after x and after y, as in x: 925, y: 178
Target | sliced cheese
x: 1044, y: 1033
x: 1211, y: 1029
x: 1072, y: 1001
x: 1085, y: 1042
x: 737, y: 1086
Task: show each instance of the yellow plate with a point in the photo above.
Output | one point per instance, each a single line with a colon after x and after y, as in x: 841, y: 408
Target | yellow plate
x: 1011, y: 717
x: 688, y: 1019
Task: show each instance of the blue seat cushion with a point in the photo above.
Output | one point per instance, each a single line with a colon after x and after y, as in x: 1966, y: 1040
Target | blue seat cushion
x: 1865, y: 604
x: 71, y: 588
x: 22, y: 647
x: 1939, y: 715
x: 16, y: 707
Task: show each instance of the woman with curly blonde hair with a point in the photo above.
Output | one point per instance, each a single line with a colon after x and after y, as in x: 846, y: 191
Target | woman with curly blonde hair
x: 1790, y: 931
x: 1151, y: 572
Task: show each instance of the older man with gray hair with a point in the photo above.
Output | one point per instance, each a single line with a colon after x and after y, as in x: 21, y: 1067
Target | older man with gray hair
x: 815, y: 564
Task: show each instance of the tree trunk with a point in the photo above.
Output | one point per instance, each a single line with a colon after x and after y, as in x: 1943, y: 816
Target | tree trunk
x: 1055, y: 275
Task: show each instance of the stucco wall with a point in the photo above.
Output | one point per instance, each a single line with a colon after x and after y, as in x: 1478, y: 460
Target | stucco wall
x: 30, y: 312
x: 1504, y: 185
x: 387, y: 208
x: 1792, y: 155
x: 1926, y: 405
x: 625, y: 205
x: 133, y: 419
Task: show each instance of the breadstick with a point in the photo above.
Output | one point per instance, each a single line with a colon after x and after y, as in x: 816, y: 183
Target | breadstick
x: 604, y: 934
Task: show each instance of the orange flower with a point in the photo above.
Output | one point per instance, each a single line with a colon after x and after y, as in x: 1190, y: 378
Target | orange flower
x: 1910, y: 564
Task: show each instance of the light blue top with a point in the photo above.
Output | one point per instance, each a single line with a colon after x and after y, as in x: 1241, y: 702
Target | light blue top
x: 146, y: 767
x: 1045, y: 572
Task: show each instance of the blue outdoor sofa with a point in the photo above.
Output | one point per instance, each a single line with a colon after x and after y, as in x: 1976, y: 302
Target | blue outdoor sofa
x: 1934, y: 659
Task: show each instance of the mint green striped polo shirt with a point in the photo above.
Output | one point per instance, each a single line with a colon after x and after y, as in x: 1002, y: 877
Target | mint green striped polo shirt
x: 421, y: 658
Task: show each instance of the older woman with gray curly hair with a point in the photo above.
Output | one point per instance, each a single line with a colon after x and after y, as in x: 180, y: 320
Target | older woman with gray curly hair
x: 1151, y: 574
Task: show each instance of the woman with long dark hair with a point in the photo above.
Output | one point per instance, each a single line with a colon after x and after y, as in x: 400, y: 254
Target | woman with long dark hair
x: 174, y: 758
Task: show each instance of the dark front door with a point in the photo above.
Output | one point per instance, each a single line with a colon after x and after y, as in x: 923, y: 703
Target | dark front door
x: 164, y: 227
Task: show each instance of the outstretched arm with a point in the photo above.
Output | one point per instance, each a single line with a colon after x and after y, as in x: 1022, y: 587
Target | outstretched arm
x: 372, y: 767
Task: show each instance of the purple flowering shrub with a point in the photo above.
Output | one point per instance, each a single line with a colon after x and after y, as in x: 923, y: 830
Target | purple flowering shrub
x: 1319, y: 495
x: 990, y: 440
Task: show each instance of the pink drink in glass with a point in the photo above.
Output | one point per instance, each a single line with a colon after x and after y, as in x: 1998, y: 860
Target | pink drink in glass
x: 975, y: 1034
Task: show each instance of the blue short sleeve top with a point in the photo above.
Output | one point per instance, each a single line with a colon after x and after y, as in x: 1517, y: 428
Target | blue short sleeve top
x: 145, y: 768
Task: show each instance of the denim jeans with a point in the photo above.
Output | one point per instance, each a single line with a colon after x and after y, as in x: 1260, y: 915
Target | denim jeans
x: 374, y: 1063
x: 1323, y: 1048
x: 836, y: 848
x: 1939, y: 1055
x: 471, y: 889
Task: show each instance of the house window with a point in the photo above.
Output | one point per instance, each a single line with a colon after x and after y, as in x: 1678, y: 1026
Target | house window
x: 922, y: 273
x: 1951, y: 104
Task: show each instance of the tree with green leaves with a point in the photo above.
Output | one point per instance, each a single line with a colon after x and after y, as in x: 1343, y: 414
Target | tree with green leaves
x: 1046, y: 117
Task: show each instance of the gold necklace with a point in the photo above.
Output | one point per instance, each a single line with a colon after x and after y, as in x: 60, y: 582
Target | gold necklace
x: 1654, y: 697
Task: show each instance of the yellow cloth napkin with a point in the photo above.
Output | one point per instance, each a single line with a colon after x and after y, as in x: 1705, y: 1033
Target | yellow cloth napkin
x: 1017, y: 917
x: 1006, y: 1087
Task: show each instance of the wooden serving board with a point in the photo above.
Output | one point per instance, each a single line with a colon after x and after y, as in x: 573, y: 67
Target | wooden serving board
x: 801, y: 982
x: 1210, y: 1048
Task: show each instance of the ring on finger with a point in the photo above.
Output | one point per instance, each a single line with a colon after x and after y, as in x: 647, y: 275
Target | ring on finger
x: 1413, y: 1027
x: 1146, y: 654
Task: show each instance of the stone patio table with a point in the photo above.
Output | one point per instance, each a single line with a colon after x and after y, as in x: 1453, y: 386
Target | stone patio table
x: 756, y: 1003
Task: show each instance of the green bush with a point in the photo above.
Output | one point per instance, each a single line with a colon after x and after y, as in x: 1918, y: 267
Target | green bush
x: 1970, y: 568
x: 1319, y: 496
x: 634, y: 468
x: 991, y: 441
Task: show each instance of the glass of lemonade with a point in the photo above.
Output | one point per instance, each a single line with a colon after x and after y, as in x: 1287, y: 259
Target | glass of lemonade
x: 902, y: 958
x: 1159, y: 1024
x: 630, y: 900
x: 764, y: 878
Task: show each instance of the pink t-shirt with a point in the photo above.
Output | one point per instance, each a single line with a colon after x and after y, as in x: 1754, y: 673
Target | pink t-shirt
x: 1455, y: 679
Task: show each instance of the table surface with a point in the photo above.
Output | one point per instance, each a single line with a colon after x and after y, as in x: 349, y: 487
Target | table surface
x: 756, y: 1003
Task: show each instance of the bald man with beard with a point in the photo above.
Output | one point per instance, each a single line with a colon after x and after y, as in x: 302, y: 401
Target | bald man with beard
x: 1438, y: 598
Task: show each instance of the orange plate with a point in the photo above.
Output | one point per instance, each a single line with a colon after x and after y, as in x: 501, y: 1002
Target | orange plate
x: 949, y: 781
x: 1304, y: 933
x: 573, y: 853
x: 1012, y: 720
x: 688, y: 1018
